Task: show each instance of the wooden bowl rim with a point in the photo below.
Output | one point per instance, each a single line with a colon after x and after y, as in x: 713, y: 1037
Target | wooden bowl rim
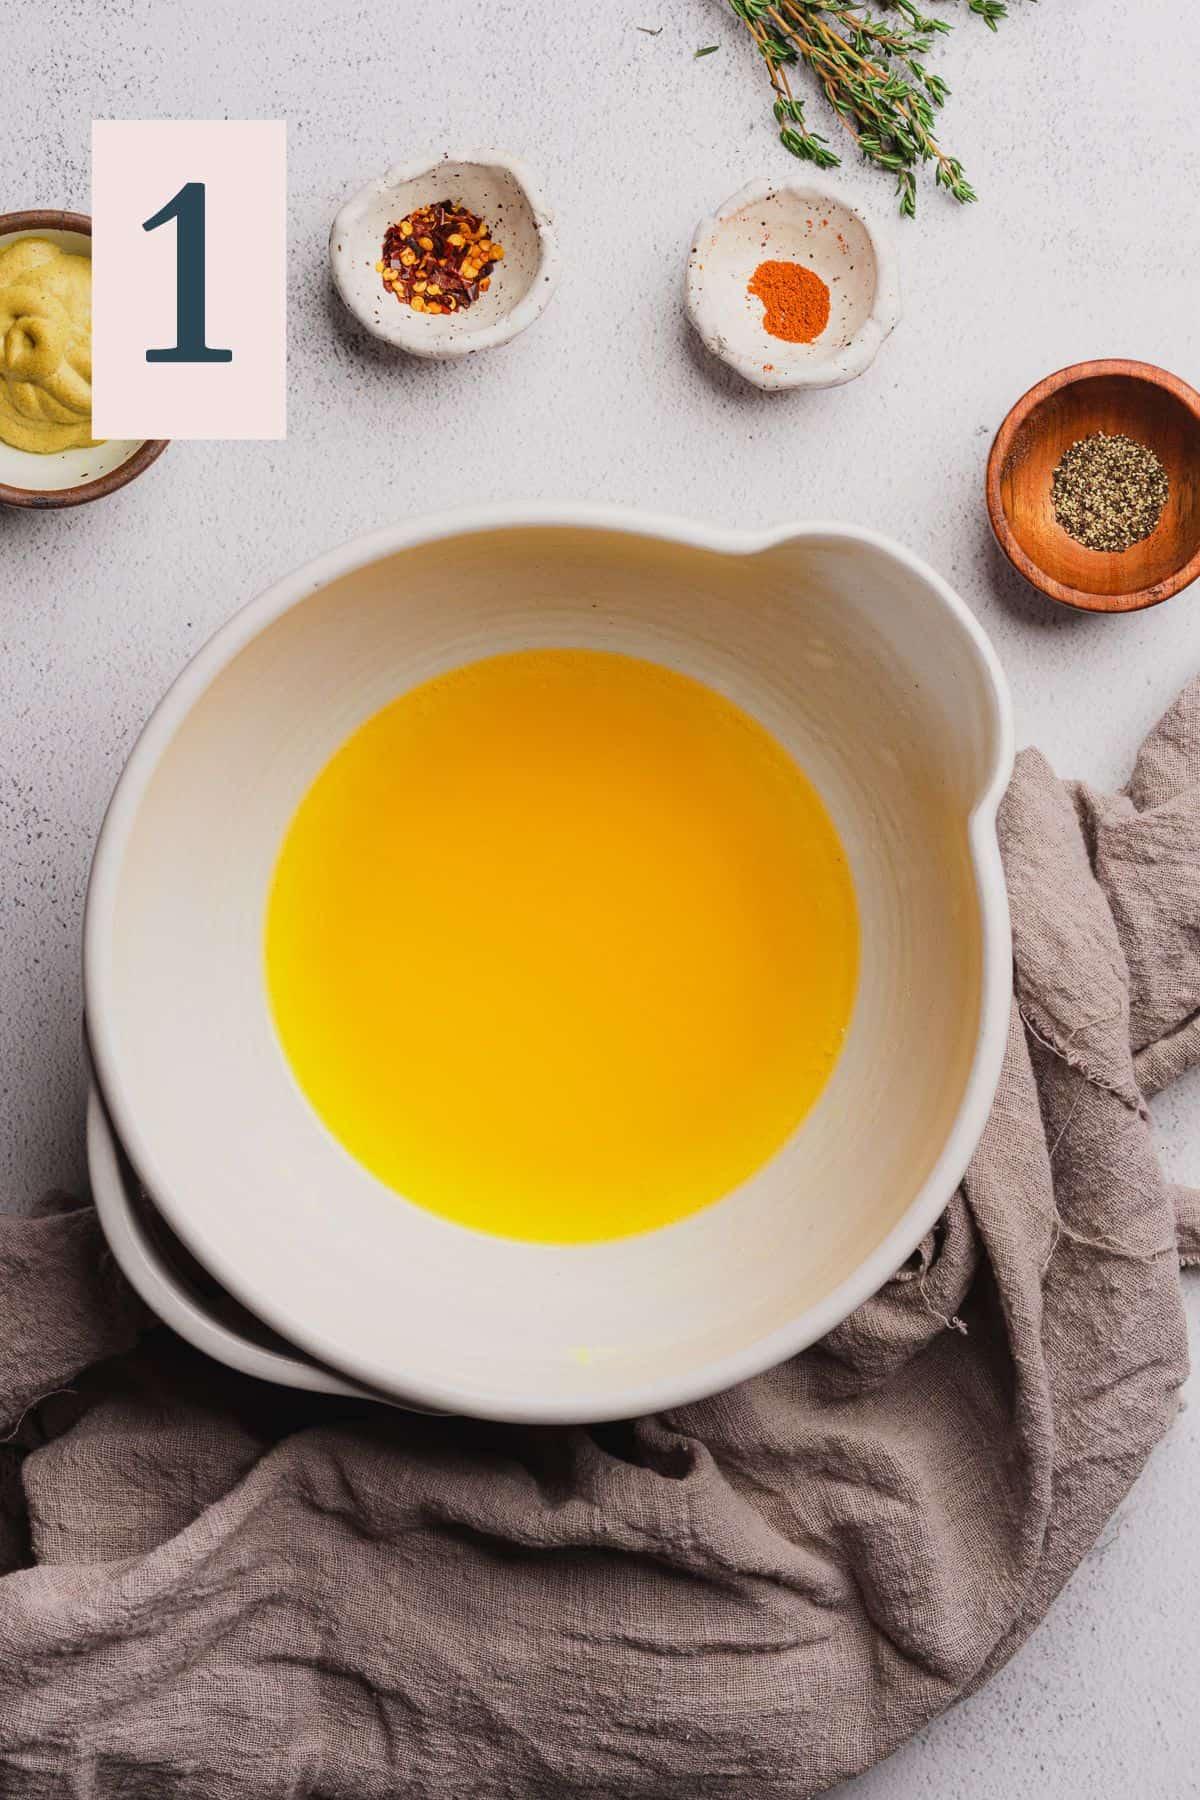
x: 1081, y: 598
x: 48, y: 218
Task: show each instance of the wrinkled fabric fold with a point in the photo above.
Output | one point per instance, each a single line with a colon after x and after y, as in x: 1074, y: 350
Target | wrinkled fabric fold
x: 210, y: 1588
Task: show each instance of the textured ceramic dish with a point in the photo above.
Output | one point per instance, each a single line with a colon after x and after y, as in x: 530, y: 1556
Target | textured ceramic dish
x: 1140, y: 401
x: 177, y: 1289
x: 68, y: 477
x: 861, y: 661
x: 504, y: 194
x: 803, y: 222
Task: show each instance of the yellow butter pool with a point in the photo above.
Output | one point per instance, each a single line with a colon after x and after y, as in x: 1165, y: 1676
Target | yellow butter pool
x: 561, y: 945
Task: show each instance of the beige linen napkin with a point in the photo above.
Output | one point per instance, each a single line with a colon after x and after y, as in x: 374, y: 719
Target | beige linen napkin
x: 209, y: 1588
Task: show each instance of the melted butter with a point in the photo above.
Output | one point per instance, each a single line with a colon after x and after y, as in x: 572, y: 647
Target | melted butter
x: 562, y: 945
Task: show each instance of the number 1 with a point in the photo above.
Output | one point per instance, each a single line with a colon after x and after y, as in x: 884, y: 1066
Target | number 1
x: 187, y: 209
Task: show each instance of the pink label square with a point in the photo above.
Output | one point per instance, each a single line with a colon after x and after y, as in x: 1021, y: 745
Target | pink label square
x: 218, y: 348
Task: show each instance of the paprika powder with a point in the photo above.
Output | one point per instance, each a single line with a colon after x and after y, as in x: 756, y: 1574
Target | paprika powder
x: 795, y: 300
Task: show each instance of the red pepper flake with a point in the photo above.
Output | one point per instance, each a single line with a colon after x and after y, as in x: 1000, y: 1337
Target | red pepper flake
x: 438, y: 259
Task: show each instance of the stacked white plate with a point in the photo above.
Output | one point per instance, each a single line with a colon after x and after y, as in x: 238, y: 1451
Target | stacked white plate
x: 179, y: 1289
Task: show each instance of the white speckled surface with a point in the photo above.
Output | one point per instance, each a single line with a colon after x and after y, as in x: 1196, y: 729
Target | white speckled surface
x: 1079, y: 136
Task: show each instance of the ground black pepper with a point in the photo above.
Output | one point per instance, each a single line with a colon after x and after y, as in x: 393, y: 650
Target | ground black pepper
x: 1109, y: 492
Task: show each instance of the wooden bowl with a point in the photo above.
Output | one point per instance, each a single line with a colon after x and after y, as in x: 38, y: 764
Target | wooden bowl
x: 67, y: 477
x: 1146, y: 404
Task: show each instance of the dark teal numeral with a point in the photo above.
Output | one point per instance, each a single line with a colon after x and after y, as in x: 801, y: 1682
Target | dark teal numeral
x: 187, y: 209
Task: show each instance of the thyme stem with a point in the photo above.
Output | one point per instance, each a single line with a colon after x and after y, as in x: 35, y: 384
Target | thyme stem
x: 872, y: 73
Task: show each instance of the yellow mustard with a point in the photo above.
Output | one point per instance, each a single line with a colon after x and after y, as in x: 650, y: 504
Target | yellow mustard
x: 45, y: 347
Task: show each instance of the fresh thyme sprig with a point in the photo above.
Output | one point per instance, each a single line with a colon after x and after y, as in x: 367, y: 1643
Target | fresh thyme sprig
x: 872, y: 73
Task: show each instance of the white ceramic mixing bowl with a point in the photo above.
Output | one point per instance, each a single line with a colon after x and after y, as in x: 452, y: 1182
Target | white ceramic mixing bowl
x: 861, y: 662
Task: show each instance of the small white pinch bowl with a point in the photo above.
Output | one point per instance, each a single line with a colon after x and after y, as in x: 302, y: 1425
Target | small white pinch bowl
x: 863, y: 664
x: 502, y: 192
x: 163, y: 1284
x: 793, y: 221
